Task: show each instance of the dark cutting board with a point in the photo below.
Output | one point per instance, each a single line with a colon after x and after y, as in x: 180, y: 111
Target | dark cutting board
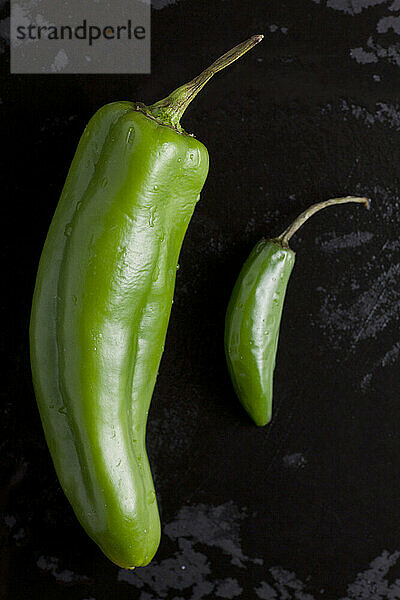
x: 309, y: 506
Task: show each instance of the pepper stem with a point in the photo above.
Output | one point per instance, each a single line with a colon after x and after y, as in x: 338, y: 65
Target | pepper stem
x: 170, y: 110
x: 284, y: 238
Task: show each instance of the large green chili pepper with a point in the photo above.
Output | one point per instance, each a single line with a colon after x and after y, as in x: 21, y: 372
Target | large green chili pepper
x: 101, y: 307
x: 254, y: 314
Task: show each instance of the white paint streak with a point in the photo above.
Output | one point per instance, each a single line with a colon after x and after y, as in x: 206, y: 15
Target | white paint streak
x: 280, y: 28
x: 381, y: 48
x: 295, y: 460
x: 52, y: 565
x: 10, y: 521
x: 363, y: 57
x: 208, y: 525
x: 371, y: 312
x: 372, y: 584
x: 387, y: 23
x: 189, y: 571
x: 286, y: 581
x: 390, y: 358
x: 159, y: 4
x: 352, y: 7
x: 228, y: 588
x: 330, y: 242
x: 60, y: 61
x: 386, y: 114
x: 265, y: 591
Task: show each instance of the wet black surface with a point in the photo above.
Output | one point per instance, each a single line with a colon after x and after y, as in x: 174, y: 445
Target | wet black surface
x: 308, y: 506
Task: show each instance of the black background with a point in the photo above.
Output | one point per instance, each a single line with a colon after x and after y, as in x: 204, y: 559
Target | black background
x: 315, y: 495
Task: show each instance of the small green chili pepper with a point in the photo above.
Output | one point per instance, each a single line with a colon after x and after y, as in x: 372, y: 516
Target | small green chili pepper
x: 101, y: 307
x: 254, y: 314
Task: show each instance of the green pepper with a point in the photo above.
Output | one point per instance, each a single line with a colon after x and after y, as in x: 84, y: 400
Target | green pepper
x: 101, y: 307
x: 254, y: 313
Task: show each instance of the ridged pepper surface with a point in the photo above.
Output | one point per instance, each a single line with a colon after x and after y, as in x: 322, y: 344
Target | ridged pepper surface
x: 101, y: 307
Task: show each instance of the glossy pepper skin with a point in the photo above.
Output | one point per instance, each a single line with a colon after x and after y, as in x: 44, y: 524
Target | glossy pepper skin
x: 101, y: 308
x: 252, y: 326
x: 254, y: 313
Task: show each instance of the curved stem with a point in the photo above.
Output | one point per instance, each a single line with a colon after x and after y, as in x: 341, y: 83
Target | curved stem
x: 284, y: 238
x: 170, y: 110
